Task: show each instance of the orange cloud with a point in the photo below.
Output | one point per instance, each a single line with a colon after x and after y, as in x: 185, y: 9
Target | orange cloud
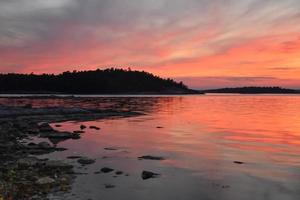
x: 188, y: 40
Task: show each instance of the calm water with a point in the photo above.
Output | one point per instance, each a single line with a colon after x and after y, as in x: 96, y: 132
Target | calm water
x: 201, y: 138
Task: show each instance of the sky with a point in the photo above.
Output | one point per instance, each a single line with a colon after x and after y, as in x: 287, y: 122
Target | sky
x: 204, y: 43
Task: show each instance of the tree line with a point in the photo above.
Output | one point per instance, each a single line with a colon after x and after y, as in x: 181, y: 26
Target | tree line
x: 110, y: 80
x: 254, y: 90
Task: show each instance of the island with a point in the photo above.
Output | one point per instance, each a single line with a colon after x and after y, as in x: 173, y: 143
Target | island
x: 107, y: 81
x: 253, y: 90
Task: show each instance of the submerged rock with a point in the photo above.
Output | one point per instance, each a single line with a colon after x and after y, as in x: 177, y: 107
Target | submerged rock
x: 94, y: 127
x: 82, y: 127
x: 119, y: 172
x: 148, y: 174
x: 238, y: 162
x: 110, y: 149
x: 148, y: 157
x: 86, y: 161
x: 106, y: 170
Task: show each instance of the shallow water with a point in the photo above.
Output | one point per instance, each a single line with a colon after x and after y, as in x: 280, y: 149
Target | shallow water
x: 200, y: 137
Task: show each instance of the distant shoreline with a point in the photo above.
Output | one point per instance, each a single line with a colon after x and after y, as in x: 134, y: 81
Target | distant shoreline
x: 252, y: 90
x: 66, y: 96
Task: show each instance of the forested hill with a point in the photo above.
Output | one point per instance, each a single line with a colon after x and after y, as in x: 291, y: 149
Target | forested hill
x: 108, y: 81
x: 254, y: 90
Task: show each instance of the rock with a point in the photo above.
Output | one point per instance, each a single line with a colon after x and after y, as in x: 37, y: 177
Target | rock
x: 94, y: 127
x: 28, y: 162
x: 106, y: 170
x: 40, y: 151
x: 110, y: 149
x: 44, y: 145
x: 119, y: 172
x: 238, y: 162
x: 60, y: 135
x: 148, y: 174
x: 148, y: 157
x: 45, y: 181
x: 74, y: 157
x: 78, y: 132
x: 45, y: 127
x: 60, y: 149
x: 85, y: 161
x: 82, y: 127
x: 53, y: 164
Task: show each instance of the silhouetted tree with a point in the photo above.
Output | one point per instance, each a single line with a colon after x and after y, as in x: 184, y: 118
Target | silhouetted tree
x: 109, y: 80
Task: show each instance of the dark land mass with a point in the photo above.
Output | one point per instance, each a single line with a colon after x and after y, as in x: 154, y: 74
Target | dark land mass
x: 254, y: 90
x: 108, y: 81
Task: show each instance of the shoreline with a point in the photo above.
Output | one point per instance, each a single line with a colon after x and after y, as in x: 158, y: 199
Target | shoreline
x: 22, y: 174
x: 192, y: 92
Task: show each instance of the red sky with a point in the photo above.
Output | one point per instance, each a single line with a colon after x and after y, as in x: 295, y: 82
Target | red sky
x: 205, y: 43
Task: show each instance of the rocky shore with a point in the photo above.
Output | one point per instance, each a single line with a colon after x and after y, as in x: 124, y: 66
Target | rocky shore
x: 22, y: 174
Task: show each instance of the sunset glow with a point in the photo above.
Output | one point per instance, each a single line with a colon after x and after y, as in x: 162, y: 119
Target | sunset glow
x: 206, y: 44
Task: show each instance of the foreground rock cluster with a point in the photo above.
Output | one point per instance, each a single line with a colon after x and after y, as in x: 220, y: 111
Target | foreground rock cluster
x: 23, y: 175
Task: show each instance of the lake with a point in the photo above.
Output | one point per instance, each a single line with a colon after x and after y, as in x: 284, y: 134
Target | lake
x: 215, y: 147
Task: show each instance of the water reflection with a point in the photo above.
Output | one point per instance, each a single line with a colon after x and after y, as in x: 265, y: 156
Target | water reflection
x: 201, y: 137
